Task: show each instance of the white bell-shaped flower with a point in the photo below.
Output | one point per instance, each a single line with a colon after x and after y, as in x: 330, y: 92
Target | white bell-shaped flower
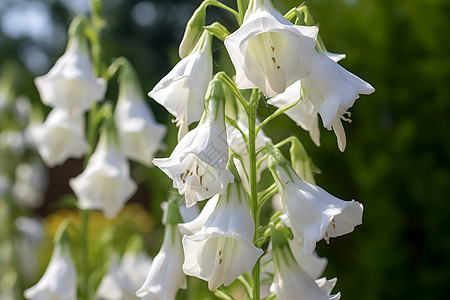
x: 166, y: 276
x: 124, y: 277
x: 139, y: 134
x: 304, y: 114
x: 269, y: 52
x: 71, y: 84
x: 60, y: 137
x: 312, y: 213
x: 198, y: 163
x: 293, y: 282
x: 105, y: 184
x: 223, y: 250
x: 59, y: 280
x: 333, y: 90
x: 31, y: 181
x: 182, y: 90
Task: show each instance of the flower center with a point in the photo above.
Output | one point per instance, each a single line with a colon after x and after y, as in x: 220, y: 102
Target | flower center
x: 192, y: 174
x: 263, y: 51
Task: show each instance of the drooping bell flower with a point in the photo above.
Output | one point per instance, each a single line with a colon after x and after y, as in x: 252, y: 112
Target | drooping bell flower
x: 139, y: 134
x: 124, y: 277
x: 71, y: 84
x: 59, y: 137
x: 105, y: 184
x: 313, y: 213
x: 60, y: 278
x: 269, y: 52
x: 223, y: 250
x: 198, y: 163
x: 290, y: 280
x: 183, y: 89
x: 333, y: 90
x: 165, y: 276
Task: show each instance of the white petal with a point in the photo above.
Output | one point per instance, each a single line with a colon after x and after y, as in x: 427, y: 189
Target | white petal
x: 61, y: 136
x: 195, y: 225
x: 313, y: 213
x: 71, y: 84
x: 268, y: 52
x: 182, y: 90
x: 59, y: 280
x: 105, y: 183
x: 165, y: 276
x: 140, y: 135
x: 291, y: 282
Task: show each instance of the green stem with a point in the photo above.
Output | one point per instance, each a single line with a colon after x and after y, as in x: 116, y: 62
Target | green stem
x: 276, y: 114
x: 242, y: 8
x: 84, y: 253
x: 251, y: 114
x: 233, y: 88
x: 223, y: 6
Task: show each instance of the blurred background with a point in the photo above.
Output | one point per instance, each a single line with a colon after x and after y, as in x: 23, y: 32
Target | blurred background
x: 398, y: 147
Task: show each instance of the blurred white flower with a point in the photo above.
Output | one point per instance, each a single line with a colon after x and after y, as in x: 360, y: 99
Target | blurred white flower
x: 71, y: 84
x: 29, y: 237
x: 223, y: 250
x: 125, y: 277
x: 140, y: 135
x: 13, y: 141
x: 5, y: 185
x: 182, y: 90
x: 30, y: 184
x: 269, y: 52
x: 105, y: 184
x: 59, y: 280
x: 60, y: 137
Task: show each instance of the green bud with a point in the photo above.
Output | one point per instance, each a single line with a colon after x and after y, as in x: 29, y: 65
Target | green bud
x: 279, y: 241
x: 194, y: 29
x: 301, y: 162
x: 215, y: 99
x: 275, y: 157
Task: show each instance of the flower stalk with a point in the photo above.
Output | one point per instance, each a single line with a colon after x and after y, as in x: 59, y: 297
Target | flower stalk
x: 251, y: 114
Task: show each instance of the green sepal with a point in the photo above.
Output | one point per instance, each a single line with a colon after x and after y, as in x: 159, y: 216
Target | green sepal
x: 214, y: 100
x: 62, y: 236
x: 194, y: 29
x: 279, y: 240
x: 301, y: 162
x: 218, y: 30
x: 223, y: 294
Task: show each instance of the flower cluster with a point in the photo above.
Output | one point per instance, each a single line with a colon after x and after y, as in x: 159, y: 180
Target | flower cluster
x: 218, y: 162
x: 289, y: 65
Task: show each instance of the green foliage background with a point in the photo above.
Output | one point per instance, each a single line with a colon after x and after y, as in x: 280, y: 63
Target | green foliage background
x: 398, y: 146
